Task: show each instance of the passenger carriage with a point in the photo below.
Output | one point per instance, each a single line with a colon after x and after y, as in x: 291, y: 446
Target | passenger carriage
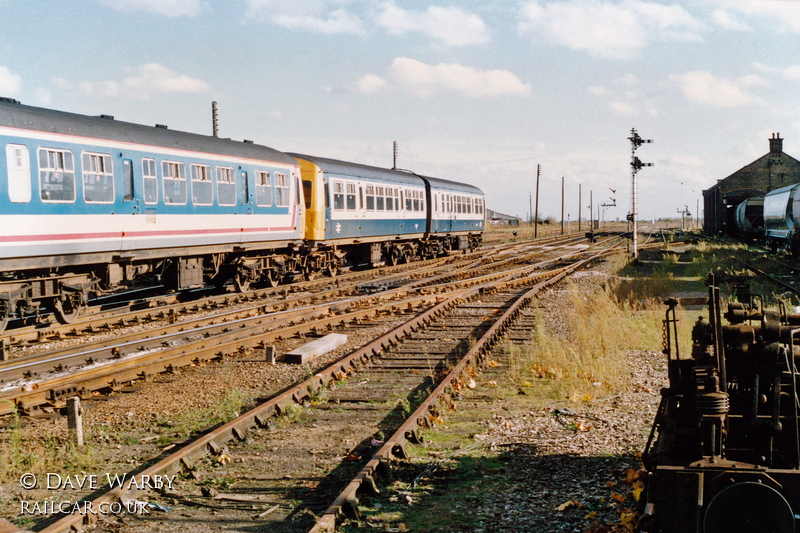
x: 91, y: 204
x: 359, y: 214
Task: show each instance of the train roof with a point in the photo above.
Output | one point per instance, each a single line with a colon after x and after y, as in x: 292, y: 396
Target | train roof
x: 357, y: 170
x: 344, y: 168
x: 439, y: 183
x: 16, y: 115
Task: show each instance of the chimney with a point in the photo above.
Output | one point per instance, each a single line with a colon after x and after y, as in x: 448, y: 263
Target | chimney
x: 776, y: 144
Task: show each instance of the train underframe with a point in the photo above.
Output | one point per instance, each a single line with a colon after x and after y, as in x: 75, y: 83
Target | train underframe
x: 66, y: 290
x: 724, y: 451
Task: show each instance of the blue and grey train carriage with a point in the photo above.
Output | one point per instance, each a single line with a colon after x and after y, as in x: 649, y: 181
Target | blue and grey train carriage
x: 92, y: 204
x: 359, y: 214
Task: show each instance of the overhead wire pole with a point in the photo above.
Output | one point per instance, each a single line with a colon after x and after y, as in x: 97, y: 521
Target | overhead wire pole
x: 636, y: 166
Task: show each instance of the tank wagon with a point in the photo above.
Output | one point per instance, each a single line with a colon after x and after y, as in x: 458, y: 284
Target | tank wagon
x: 782, y: 217
x: 724, y: 452
x: 749, y: 218
x: 90, y: 205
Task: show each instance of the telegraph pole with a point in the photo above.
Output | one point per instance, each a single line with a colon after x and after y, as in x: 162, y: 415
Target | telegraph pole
x: 562, y: 205
x: 636, y: 166
x: 580, y: 208
x: 536, y: 216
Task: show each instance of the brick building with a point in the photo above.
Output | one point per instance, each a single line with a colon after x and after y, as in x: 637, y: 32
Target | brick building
x: 767, y: 173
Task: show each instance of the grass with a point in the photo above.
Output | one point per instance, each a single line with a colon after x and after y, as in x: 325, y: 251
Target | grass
x: 580, y: 360
x: 185, y: 424
x: 590, y: 356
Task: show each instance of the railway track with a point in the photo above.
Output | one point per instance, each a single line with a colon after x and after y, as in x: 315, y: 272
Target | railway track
x: 138, y: 309
x: 438, y: 349
x: 47, y: 379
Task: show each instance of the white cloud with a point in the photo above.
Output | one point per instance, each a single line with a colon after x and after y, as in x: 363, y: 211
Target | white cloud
x: 627, y: 79
x: 608, y: 29
x: 792, y: 73
x: 704, y: 88
x: 450, y: 25
x: 623, y: 108
x: 320, y: 16
x: 169, y: 8
x: 422, y: 80
x: 729, y: 21
x: 370, y: 84
x: 143, y: 82
x: 10, y: 83
x: 780, y: 15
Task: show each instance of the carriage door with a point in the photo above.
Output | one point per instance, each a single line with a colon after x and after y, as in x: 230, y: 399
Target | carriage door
x: 248, y: 208
x: 127, y: 185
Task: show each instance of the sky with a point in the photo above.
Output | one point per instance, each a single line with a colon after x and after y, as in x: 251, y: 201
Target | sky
x: 481, y: 92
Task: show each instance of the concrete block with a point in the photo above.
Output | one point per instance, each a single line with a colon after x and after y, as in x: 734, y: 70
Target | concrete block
x: 309, y: 351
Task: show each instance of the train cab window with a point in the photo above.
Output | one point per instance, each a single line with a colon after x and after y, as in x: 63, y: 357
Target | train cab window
x: 174, y: 182
x: 202, y: 188
x: 378, y: 198
x: 370, y: 198
x: 307, y: 192
x: 56, y: 176
x: 263, y: 188
x: 150, y: 181
x: 351, y: 196
x: 282, y: 198
x: 19, y: 173
x: 226, y: 186
x: 98, y: 179
x: 338, y: 196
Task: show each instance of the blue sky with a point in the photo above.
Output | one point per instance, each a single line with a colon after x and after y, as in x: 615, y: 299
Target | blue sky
x: 473, y: 91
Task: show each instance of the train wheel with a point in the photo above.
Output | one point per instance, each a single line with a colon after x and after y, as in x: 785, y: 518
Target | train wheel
x: 242, y: 282
x: 270, y: 278
x: 395, y: 256
x: 5, y: 314
x: 68, y: 307
x: 331, y: 269
x: 310, y: 274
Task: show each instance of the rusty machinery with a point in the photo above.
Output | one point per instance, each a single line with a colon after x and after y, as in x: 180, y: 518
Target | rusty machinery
x: 724, y: 452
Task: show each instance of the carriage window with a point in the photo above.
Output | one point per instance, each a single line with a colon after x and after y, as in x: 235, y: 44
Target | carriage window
x: 351, y: 196
x: 379, y: 198
x: 174, y: 182
x: 226, y: 186
x: 98, y: 179
x: 281, y: 190
x: 19, y: 173
x: 390, y: 192
x: 370, y: 198
x: 202, y: 188
x: 56, y: 176
x: 150, y: 179
x: 338, y: 196
x: 263, y: 188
